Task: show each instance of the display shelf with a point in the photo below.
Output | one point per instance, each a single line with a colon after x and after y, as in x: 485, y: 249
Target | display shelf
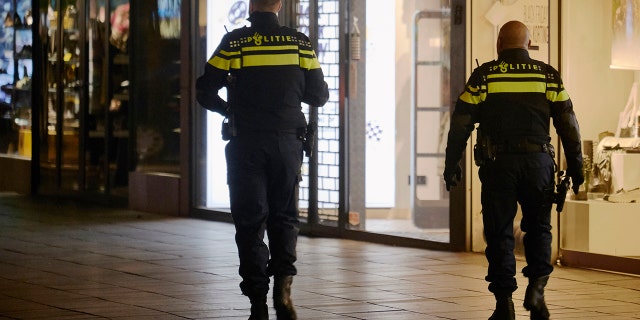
x: 602, y: 227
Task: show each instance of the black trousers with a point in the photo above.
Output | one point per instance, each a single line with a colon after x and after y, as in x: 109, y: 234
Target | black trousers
x: 527, y: 179
x: 263, y: 172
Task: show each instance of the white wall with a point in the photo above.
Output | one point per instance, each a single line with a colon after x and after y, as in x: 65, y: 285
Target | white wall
x: 598, y: 92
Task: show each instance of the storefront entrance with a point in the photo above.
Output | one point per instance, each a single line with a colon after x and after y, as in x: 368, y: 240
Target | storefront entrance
x: 381, y: 137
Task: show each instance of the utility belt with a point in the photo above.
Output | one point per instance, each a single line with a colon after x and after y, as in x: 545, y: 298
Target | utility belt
x: 485, y: 150
x: 522, y: 147
x: 299, y: 132
x: 304, y: 134
x: 228, y: 133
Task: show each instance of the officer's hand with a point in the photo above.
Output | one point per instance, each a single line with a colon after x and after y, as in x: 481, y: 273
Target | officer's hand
x: 576, y: 180
x: 452, y: 175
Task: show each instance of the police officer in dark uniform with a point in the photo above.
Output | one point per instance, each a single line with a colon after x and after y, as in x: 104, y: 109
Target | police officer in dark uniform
x: 268, y: 71
x: 513, y: 99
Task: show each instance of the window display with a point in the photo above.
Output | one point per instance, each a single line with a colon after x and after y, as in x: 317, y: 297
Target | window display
x: 157, y: 85
x: 16, y: 69
x: 85, y: 139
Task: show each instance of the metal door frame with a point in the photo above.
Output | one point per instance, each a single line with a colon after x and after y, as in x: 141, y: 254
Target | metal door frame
x: 459, y: 237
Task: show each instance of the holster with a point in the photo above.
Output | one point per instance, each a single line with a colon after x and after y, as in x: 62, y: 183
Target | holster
x: 228, y: 128
x: 484, y: 150
x: 308, y: 139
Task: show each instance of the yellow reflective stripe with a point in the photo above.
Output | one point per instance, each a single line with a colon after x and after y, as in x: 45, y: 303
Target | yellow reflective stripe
x: 553, y: 85
x: 225, y: 60
x: 308, y: 52
x: 503, y: 82
x: 270, y: 56
x: 257, y: 56
x: 308, y: 60
x: 270, y: 60
x: 309, y: 63
x: 270, y: 48
x: 555, y: 96
x: 559, y: 94
x: 525, y: 86
x: 474, y: 95
x: 562, y: 96
x: 516, y: 75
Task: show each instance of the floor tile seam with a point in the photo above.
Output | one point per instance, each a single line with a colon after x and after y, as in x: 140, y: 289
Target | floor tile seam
x: 100, y: 282
x: 81, y: 250
x: 100, y: 298
x: 597, y: 283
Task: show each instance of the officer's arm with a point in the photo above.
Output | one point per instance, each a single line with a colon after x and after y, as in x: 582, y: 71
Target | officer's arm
x: 207, y: 87
x: 462, y: 124
x: 316, y: 91
x: 566, y: 123
x: 464, y: 117
x: 214, y: 77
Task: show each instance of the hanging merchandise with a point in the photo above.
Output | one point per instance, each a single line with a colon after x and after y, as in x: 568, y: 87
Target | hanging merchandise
x: 355, y: 40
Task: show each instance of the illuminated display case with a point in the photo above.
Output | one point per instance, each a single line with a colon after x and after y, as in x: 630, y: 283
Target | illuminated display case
x: 16, y: 69
x: 112, y: 98
x: 85, y: 140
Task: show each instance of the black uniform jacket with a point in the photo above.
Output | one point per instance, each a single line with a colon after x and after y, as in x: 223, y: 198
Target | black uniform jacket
x: 513, y: 98
x: 268, y: 70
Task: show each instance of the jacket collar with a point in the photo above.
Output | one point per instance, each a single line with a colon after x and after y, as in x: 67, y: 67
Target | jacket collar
x: 259, y: 18
x: 514, y: 53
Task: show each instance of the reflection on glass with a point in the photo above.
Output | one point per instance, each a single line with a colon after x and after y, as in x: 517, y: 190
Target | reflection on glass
x: 157, y: 104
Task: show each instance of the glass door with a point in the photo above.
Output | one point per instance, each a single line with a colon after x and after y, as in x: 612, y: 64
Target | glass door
x: 357, y: 180
x: 407, y: 122
x: 106, y: 118
x: 60, y: 141
x: 84, y: 142
x: 430, y: 122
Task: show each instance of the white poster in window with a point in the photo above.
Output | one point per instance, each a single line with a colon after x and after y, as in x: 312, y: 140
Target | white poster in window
x: 380, y: 105
x: 625, y: 46
x: 533, y: 13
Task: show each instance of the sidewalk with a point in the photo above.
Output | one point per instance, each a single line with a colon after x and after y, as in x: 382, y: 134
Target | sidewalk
x: 66, y: 260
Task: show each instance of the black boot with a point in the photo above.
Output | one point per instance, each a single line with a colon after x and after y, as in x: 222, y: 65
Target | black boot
x: 282, y: 298
x: 534, y: 298
x: 259, y: 309
x: 504, y: 308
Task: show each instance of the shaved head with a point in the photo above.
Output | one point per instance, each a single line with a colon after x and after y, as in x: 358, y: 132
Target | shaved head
x: 513, y: 34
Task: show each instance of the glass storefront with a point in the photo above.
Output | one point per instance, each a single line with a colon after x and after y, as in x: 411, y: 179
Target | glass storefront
x: 77, y: 117
x: 600, y: 68
x: 111, y: 107
x: 357, y: 178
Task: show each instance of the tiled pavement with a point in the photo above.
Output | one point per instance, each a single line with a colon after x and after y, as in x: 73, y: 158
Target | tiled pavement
x: 65, y: 260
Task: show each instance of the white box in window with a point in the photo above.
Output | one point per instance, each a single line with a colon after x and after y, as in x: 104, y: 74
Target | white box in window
x: 625, y: 171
